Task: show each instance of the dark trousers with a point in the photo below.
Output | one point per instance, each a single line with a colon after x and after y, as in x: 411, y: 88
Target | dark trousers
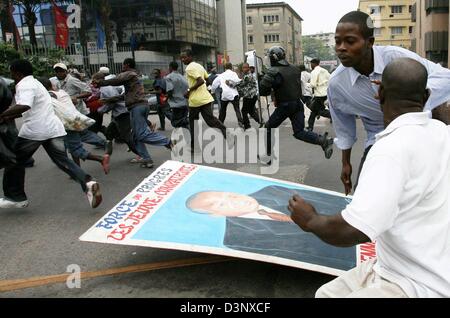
x: 120, y: 128
x: 237, y: 109
x: 318, y: 109
x: 98, y: 126
x: 361, y: 165
x: 208, y: 116
x: 296, y: 113
x: 307, y: 100
x: 14, y: 177
x: 180, y: 117
x: 163, y: 112
x: 249, y: 108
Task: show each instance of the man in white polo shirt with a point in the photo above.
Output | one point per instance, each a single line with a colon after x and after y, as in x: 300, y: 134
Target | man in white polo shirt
x: 402, y: 201
x: 41, y: 127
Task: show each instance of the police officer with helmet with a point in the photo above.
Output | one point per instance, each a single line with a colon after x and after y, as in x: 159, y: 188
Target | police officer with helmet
x: 283, y: 81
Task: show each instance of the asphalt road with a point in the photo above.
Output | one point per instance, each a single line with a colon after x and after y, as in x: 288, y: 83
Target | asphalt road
x: 43, y: 240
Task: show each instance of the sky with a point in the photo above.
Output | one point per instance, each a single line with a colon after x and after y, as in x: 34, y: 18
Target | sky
x: 318, y: 15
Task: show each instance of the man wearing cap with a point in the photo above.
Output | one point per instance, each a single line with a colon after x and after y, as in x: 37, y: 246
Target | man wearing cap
x: 78, y: 91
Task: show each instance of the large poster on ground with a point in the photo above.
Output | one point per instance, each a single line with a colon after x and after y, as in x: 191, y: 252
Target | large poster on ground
x: 201, y: 209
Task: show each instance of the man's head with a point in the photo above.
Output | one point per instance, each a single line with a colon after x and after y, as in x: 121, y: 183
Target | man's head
x: 245, y: 68
x: 187, y: 57
x: 403, y: 89
x: 128, y: 64
x: 277, y: 56
x: 222, y: 204
x: 229, y: 66
x: 46, y: 83
x: 354, y: 38
x: 156, y: 73
x: 61, y: 71
x: 98, y: 76
x: 20, y: 69
x: 173, y: 66
x: 315, y: 63
x: 105, y: 70
x: 252, y: 69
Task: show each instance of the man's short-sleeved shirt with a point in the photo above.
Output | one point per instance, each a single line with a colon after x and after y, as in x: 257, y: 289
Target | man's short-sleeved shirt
x: 201, y: 95
x: 40, y: 122
x: 403, y: 203
x: 73, y: 86
x: 177, y: 85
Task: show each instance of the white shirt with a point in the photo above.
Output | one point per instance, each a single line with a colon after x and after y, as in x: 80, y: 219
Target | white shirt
x: 403, y: 203
x: 228, y: 93
x: 351, y: 94
x: 40, y: 122
x: 306, y: 84
x: 319, y: 81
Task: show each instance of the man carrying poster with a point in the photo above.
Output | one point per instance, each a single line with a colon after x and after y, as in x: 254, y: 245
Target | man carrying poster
x: 402, y: 201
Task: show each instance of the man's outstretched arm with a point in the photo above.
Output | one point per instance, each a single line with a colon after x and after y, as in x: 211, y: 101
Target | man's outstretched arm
x: 333, y: 230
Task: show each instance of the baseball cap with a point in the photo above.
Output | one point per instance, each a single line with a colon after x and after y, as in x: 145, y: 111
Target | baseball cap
x: 104, y: 70
x: 60, y: 65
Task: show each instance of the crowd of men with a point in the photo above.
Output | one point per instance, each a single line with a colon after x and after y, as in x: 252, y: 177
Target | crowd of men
x: 402, y: 196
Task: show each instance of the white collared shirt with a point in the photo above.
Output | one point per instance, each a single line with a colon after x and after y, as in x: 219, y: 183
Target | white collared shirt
x: 319, y: 81
x: 228, y: 93
x: 403, y: 203
x: 351, y: 94
x: 40, y: 122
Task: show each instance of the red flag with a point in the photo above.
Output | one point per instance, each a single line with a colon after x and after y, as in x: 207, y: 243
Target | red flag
x: 62, y: 30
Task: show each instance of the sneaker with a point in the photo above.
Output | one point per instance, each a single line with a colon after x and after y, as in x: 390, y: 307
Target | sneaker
x: 265, y: 159
x: 105, y: 163
x: 231, y: 139
x: 109, y: 147
x: 147, y: 165
x: 93, y: 194
x: 327, y: 145
x: 137, y: 160
x: 8, y: 204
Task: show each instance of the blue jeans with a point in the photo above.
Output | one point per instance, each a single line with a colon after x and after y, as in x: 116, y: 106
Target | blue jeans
x: 142, y: 134
x: 91, y: 138
x: 75, y: 146
x: 296, y: 113
x: 14, y: 177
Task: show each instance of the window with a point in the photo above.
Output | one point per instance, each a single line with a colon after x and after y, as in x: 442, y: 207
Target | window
x: 250, y: 39
x: 375, y: 10
x: 271, y: 18
x: 271, y: 38
x: 410, y: 9
x: 397, y: 9
x: 396, y: 30
x: 411, y: 30
x: 377, y: 31
x: 249, y: 20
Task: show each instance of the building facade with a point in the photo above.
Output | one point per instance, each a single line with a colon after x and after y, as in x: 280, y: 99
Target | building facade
x: 271, y: 24
x: 392, y: 21
x: 431, y: 34
x: 232, y: 29
x: 328, y: 39
x: 164, y: 27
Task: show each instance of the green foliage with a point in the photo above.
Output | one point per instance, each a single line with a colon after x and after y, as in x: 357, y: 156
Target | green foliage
x: 316, y: 49
x: 7, y: 54
x: 42, y: 61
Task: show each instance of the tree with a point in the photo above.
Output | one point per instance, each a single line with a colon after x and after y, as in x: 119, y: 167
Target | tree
x: 30, y: 7
x: 316, y: 48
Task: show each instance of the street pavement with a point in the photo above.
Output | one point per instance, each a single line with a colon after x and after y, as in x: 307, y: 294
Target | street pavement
x: 42, y: 240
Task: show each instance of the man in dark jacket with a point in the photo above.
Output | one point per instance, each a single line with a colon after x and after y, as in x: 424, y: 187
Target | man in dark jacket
x: 283, y: 82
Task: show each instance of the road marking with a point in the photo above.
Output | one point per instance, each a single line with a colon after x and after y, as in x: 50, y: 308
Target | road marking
x: 12, y: 285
